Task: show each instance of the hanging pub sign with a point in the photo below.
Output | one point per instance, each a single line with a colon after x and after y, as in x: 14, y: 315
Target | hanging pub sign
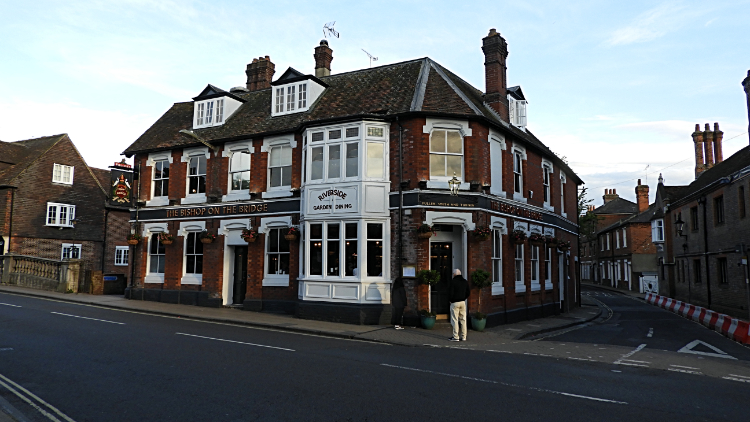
x: 121, y: 183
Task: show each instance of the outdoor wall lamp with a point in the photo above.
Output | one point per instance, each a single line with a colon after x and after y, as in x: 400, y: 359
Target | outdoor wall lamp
x: 680, y: 226
x: 454, y: 184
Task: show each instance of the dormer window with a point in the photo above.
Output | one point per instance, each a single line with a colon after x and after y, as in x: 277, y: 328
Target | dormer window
x: 213, y: 106
x: 293, y: 92
x: 517, y: 106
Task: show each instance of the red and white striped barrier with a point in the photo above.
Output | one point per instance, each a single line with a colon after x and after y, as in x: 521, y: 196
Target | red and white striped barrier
x: 733, y: 328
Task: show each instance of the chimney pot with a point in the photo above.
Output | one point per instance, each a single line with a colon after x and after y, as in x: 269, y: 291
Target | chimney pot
x: 495, y: 50
x: 323, y: 57
x: 708, y: 127
x: 641, y: 195
x: 697, y: 127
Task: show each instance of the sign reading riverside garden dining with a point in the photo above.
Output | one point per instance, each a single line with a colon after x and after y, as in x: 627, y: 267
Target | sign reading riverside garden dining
x: 218, y: 210
x: 332, y: 200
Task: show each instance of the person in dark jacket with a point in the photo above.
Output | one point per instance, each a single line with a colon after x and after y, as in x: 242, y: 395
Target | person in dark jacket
x: 458, y: 292
x: 398, y: 301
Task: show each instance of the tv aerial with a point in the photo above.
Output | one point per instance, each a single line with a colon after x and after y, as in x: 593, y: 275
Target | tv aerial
x: 329, y: 31
x: 372, y: 58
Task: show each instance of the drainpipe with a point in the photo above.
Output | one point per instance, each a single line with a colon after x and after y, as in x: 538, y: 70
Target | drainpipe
x: 400, y: 198
x: 104, y: 244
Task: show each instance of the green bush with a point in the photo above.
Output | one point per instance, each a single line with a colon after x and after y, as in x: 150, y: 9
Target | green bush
x: 430, y: 277
x: 481, y: 279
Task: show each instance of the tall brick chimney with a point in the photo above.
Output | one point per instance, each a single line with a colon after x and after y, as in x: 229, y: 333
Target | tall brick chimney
x: 323, y: 58
x: 495, y: 54
x: 609, y: 195
x: 641, y: 196
x: 708, y: 148
x: 260, y: 73
x: 746, y: 86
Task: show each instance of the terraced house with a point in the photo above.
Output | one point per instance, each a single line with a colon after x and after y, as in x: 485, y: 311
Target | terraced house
x: 335, y: 173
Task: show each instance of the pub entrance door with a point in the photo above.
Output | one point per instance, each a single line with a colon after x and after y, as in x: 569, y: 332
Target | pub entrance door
x: 441, y: 259
x: 239, y: 275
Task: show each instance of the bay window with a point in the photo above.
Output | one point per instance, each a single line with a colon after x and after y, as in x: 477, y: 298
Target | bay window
x: 333, y: 249
x: 374, y: 249
x: 375, y: 160
x: 328, y: 159
x: 446, y: 154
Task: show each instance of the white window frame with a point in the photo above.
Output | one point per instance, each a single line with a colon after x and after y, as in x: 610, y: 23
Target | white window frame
x: 229, y: 150
x: 547, y: 268
x: 657, y: 230
x: 547, y: 171
x: 517, y: 109
x: 445, y: 154
x: 149, y: 229
x: 497, y: 262
x: 563, y: 182
x: 208, y: 113
x: 535, y: 276
x: 361, y: 249
x: 59, y: 174
x: 290, y: 98
x: 624, y: 238
x: 268, y: 145
x: 266, y: 224
x: 519, y: 156
x: 519, y: 277
x: 156, y: 201
x: 601, y: 243
x: 617, y: 239
x: 497, y: 146
x: 432, y: 124
x: 200, y: 197
x: 122, y: 255
x: 70, y: 247
x: 70, y: 215
x: 187, y: 227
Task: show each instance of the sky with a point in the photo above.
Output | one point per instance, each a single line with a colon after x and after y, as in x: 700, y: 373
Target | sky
x: 614, y: 87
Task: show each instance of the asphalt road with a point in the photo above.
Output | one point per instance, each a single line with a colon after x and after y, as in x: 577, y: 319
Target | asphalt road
x: 93, y: 364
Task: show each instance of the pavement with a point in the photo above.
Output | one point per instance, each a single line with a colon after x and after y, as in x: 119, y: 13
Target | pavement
x: 410, y: 336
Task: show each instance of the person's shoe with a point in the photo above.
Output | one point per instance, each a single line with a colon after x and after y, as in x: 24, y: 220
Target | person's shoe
x: 398, y: 327
x: 453, y: 339
x: 463, y: 339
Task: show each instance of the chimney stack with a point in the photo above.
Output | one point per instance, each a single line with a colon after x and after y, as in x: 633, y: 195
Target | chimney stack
x: 323, y: 58
x: 641, y: 195
x: 260, y: 73
x: 495, y: 53
x: 610, y: 195
x: 746, y: 86
x: 708, y: 148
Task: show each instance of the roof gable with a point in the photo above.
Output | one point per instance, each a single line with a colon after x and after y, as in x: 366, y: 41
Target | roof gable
x: 517, y: 93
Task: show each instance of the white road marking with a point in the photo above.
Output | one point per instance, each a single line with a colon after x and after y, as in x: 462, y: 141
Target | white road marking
x: 685, y: 371
x: 238, y: 342
x: 513, y: 329
x: 6, y: 349
x: 543, y: 390
x: 685, y: 367
x: 629, y: 354
x: 615, y: 370
x: 631, y: 364
x: 7, y: 384
x: 588, y: 360
x: 8, y: 304
x: 93, y: 319
x: 500, y: 351
x: 719, y: 353
x: 650, y: 332
x: 735, y: 378
x: 636, y: 361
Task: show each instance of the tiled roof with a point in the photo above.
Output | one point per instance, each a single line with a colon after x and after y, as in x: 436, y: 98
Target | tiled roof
x: 420, y: 85
x: 22, y: 154
x: 643, y: 217
x: 103, y: 176
x: 617, y: 206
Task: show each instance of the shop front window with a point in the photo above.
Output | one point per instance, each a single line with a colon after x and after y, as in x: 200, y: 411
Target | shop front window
x: 374, y: 249
x: 331, y: 245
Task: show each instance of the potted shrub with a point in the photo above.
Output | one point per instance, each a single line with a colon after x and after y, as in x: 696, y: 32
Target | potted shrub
x: 429, y: 277
x: 206, y: 237
x: 478, y: 321
x: 482, y: 233
x: 424, y: 231
x: 551, y: 241
x: 427, y: 318
x: 518, y: 236
x: 563, y: 245
x: 536, y: 239
x: 292, y: 234
x: 134, y: 238
x: 481, y: 279
x: 249, y: 235
x: 166, y: 238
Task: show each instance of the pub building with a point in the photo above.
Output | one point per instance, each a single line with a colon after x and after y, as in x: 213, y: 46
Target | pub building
x: 335, y: 173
